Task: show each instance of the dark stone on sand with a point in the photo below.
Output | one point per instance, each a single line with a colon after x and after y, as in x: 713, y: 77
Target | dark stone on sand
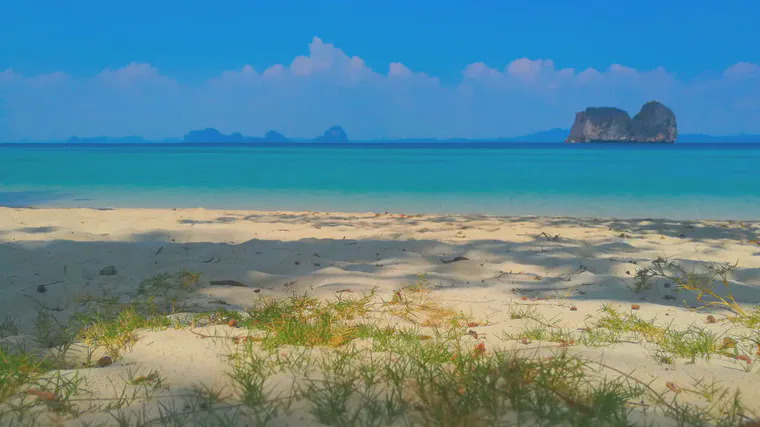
x: 234, y: 283
x: 108, y: 271
x: 459, y: 258
x: 105, y: 361
x: 41, y: 289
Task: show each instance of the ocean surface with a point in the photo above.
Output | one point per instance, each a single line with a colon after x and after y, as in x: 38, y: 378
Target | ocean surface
x: 679, y: 181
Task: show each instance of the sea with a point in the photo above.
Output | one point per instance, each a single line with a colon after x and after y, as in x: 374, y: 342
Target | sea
x: 676, y: 181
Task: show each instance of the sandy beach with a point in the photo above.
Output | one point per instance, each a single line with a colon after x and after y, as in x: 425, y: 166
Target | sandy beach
x: 511, y: 275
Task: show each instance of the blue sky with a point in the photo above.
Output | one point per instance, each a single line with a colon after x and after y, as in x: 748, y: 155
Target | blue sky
x: 422, y: 68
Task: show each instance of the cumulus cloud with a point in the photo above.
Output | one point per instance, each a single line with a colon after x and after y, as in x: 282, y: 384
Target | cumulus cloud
x: 7, y: 75
x: 130, y: 73
x: 328, y: 86
x: 742, y: 70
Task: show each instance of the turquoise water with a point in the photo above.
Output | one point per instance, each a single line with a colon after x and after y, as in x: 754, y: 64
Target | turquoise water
x: 675, y: 181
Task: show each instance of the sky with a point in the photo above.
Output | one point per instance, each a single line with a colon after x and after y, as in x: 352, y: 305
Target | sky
x: 379, y: 69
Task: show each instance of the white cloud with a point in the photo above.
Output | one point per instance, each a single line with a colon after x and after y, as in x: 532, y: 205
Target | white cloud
x: 327, y: 87
x: 230, y: 78
x: 479, y: 70
x: 131, y: 72
x: 742, y: 70
x: 7, y: 75
x: 397, y: 69
x: 327, y: 61
x: 531, y: 71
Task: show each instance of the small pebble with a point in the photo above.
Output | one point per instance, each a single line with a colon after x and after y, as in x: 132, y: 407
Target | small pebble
x: 105, y: 361
x: 41, y: 289
x: 108, y: 271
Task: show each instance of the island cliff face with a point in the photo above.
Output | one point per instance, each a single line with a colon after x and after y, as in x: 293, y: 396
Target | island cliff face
x: 654, y: 123
x: 334, y: 134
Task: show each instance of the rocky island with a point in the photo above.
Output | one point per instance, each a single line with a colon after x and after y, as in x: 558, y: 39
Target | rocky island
x: 654, y: 123
x: 334, y: 134
x: 211, y: 135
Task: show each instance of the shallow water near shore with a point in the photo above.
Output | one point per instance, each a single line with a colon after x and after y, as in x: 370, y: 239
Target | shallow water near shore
x: 681, y: 181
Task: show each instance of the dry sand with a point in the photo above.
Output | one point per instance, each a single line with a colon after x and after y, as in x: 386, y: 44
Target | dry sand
x: 509, y: 262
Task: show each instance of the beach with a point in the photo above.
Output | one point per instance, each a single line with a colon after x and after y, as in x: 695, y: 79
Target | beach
x: 509, y: 275
x: 284, y: 214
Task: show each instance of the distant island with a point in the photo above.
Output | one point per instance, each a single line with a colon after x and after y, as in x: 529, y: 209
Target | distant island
x: 106, y: 139
x: 209, y: 135
x: 618, y: 124
x: 334, y: 134
x: 654, y: 123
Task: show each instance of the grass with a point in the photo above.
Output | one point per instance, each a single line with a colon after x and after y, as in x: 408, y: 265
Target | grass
x: 439, y: 379
x: 358, y: 360
x: 98, y: 323
x: 116, y: 330
x: 669, y: 343
x: 17, y: 368
x: 311, y: 322
x: 750, y: 319
x: 9, y: 326
x: 167, y: 288
x: 518, y: 311
x: 701, y: 284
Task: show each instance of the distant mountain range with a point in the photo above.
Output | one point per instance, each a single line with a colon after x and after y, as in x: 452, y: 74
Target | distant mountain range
x: 336, y: 134
x: 213, y: 135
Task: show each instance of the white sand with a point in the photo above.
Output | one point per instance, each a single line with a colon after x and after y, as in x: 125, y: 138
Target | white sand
x: 320, y: 253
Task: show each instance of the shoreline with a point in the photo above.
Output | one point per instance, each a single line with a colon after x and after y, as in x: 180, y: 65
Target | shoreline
x: 403, y: 204
x: 363, y: 213
x: 540, y: 281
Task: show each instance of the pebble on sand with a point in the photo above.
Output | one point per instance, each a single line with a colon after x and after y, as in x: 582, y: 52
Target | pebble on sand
x: 108, y: 271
